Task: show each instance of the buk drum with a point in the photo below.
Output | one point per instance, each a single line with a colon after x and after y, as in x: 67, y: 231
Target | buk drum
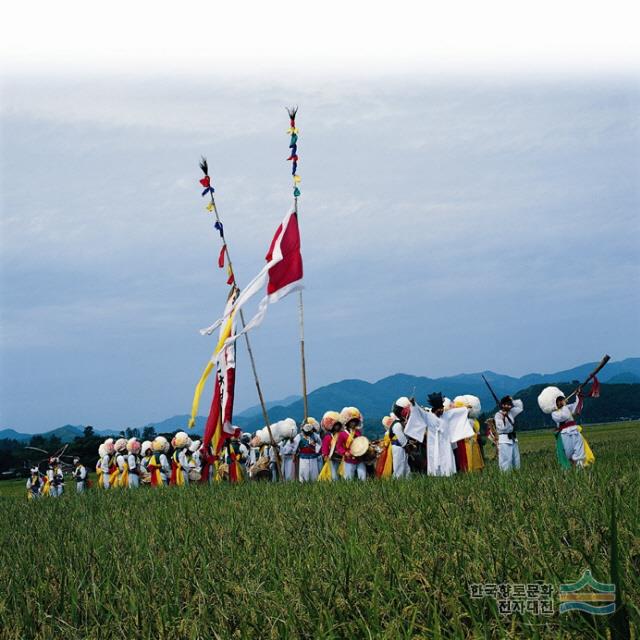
x: 362, y: 449
x: 194, y: 475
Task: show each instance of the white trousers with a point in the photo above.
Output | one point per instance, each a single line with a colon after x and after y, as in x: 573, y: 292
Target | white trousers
x: 105, y: 479
x: 308, y: 469
x: 56, y: 492
x: 573, y: 447
x: 352, y: 471
x: 80, y: 486
x: 400, y: 462
x: 508, y: 455
x: 134, y: 481
x: 288, y: 467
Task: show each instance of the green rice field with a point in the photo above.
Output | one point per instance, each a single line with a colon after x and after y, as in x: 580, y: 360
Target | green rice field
x: 381, y: 559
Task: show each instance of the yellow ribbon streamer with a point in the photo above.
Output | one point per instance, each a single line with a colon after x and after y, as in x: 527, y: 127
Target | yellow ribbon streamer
x: 226, y: 332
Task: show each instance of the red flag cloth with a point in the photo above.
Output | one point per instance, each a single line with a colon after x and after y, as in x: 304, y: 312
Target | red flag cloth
x: 219, y: 423
x: 285, y: 245
x: 595, y: 388
x: 206, y: 181
x: 221, y: 256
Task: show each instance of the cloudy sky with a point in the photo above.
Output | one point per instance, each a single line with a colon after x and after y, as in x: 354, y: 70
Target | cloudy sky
x: 454, y: 217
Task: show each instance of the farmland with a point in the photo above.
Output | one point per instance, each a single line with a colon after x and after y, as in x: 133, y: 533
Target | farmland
x: 389, y: 559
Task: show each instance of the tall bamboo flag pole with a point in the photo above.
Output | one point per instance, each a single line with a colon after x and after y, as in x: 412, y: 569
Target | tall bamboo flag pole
x: 293, y: 156
x: 206, y: 182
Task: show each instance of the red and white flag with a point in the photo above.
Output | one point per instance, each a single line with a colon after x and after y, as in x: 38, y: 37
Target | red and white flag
x: 281, y: 275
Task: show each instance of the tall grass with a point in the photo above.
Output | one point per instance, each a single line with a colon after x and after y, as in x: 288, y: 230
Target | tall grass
x: 384, y: 559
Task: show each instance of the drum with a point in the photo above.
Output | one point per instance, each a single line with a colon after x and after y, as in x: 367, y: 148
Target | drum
x: 359, y: 446
x: 146, y: 478
x: 363, y: 450
x: 194, y: 475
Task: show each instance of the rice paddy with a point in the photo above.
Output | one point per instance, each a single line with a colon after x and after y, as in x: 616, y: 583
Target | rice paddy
x: 382, y: 559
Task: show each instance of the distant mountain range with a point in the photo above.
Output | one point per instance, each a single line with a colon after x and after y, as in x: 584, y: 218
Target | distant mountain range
x: 375, y: 399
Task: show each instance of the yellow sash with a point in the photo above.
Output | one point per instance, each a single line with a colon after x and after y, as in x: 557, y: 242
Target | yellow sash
x: 387, y: 470
x: 590, y: 457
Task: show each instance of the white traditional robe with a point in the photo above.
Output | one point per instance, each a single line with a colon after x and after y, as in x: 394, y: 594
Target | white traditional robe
x: 80, y: 475
x: 508, y: 449
x: 571, y: 437
x: 308, y: 469
x: 440, y: 432
x: 287, y: 451
x: 134, y: 471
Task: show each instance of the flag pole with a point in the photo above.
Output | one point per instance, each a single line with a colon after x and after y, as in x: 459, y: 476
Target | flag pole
x: 219, y: 226
x: 293, y: 156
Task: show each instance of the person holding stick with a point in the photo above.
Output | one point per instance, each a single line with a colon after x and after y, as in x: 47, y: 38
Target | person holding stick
x: 571, y: 447
x: 508, y: 449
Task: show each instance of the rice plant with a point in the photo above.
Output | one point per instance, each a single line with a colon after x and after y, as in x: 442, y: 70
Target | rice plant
x: 382, y: 559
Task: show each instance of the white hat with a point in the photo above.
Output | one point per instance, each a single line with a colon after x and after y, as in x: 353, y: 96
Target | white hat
x: 160, y: 443
x: 350, y: 413
x: 547, y: 399
x: 180, y: 440
x: 469, y: 401
x: 120, y: 445
x: 146, y: 445
x: 133, y: 445
x: 102, y: 450
x: 108, y: 445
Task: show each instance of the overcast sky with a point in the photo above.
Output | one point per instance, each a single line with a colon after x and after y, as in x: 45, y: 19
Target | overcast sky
x: 451, y: 222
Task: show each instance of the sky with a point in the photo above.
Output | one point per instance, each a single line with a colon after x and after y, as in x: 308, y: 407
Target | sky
x: 461, y: 209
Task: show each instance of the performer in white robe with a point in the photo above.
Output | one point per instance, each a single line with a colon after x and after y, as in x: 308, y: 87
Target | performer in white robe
x: 441, y: 429
x: 400, y: 411
x: 508, y: 449
x: 79, y: 475
x: 145, y: 452
x: 133, y: 463
x: 287, y: 452
x: 121, y: 461
x: 109, y: 466
x: 353, y: 422
x: 34, y: 484
x: 195, y: 464
x: 179, y: 461
x: 576, y: 450
x: 56, y: 478
x: 306, y: 446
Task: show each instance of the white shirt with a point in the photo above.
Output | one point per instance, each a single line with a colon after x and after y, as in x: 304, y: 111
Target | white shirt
x: 504, y: 425
x: 564, y: 414
x: 106, y: 459
x: 132, y: 462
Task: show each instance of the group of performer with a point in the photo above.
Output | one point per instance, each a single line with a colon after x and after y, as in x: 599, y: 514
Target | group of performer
x: 440, y: 440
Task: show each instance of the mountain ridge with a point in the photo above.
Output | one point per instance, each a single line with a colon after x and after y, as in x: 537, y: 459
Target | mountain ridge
x: 374, y: 398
